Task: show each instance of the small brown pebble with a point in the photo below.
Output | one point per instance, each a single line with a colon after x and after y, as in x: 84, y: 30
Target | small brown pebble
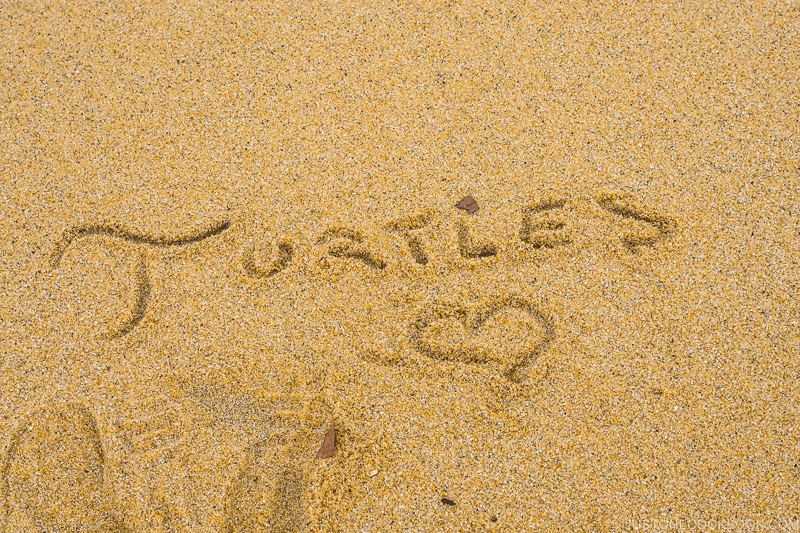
x: 328, y: 444
x: 469, y: 204
x: 448, y: 501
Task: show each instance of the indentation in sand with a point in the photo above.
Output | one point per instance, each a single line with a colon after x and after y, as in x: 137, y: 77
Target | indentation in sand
x: 54, y: 472
x: 510, y: 330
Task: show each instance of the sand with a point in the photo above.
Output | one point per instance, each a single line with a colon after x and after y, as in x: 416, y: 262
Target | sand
x: 228, y: 227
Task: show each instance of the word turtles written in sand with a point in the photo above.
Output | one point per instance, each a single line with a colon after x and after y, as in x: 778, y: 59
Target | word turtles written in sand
x: 543, y: 225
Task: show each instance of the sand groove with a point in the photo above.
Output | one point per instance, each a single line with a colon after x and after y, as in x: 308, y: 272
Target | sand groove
x: 120, y: 232
x: 469, y: 248
x: 457, y: 333
x: 141, y: 296
x: 416, y: 244
x: 142, y: 286
x: 349, y: 244
x: 627, y: 206
x: 541, y: 228
x: 284, y: 259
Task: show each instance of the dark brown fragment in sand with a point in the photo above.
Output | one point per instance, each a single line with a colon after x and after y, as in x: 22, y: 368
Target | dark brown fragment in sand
x: 328, y: 444
x: 448, y: 501
x: 469, y: 204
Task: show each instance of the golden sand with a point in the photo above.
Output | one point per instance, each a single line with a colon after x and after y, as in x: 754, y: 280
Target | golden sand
x: 226, y: 227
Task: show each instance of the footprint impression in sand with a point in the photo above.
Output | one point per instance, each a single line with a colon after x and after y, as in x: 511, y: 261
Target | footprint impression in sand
x: 266, y: 495
x: 53, y: 474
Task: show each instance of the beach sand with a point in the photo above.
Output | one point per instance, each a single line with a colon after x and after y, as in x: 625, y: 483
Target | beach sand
x: 227, y: 228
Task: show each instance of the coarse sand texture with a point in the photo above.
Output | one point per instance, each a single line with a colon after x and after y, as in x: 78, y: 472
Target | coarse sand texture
x: 431, y: 266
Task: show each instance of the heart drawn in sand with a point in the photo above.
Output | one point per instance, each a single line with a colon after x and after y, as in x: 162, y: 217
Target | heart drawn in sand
x: 510, y: 331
